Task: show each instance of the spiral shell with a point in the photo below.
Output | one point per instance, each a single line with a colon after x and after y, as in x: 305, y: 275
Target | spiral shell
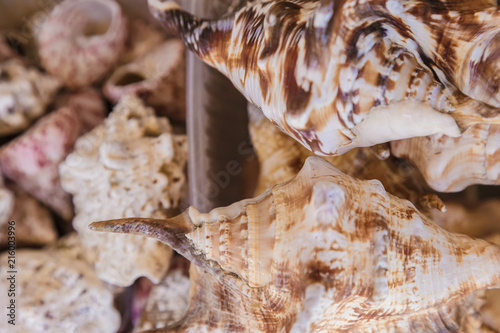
x: 81, y: 40
x: 324, y: 253
x: 336, y: 75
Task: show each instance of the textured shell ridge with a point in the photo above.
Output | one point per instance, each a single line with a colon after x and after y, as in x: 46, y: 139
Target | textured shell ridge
x: 328, y: 245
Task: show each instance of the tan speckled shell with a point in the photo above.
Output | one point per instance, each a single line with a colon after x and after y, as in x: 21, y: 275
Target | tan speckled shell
x: 324, y: 246
x: 341, y: 74
x: 158, y: 77
x: 452, y: 164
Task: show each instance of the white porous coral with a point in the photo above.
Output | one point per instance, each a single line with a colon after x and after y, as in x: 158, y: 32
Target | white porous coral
x: 131, y: 165
x: 24, y: 95
x: 57, y: 292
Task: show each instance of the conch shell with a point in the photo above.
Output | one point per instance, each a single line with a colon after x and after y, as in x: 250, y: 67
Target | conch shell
x: 81, y: 40
x: 451, y: 164
x: 158, y: 77
x: 281, y: 158
x: 336, y: 75
x: 323, y: 253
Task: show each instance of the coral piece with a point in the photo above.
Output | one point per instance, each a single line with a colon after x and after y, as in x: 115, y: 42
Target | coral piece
x: 131, y: 165
x: 281, y: 158
x: 451, y: 164
x: 324, y: 253
x: 25, y: 93
x: 57, y: 292
x: 336, y: 75
x: 32, y: 159
x: 142, y: 37
x: 81, y: 40
x: 158, y: 77
x: 167, y: 302
x: 33, y: 223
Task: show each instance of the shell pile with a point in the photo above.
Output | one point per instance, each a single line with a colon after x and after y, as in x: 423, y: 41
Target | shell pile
x: 400, y: 100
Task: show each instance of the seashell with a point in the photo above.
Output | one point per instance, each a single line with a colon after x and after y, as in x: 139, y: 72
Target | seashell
x: 7, y: 200
x: 25, y: 93
x: 131, y: 165
x: 32, y: 159
x: 34, y: 224
x: 324, y: 246
x: 81, y: 40
x: 451, y: 164
x: 57, y: 292
x: 141, y: 39
x: 158, y: 77
x: 281, y: 158
x: 166, y: 302
x: 339, y: 75
x: 6, y: 52
x: 477, y: 221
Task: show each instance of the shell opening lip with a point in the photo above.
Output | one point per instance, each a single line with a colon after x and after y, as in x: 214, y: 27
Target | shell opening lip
x: 161, y: 5
x: 129, y: 78
x: 100, y: 17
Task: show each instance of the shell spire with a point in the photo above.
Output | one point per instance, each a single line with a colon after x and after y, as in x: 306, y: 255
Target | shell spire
x: 336, y: 75
x: 322, y: 246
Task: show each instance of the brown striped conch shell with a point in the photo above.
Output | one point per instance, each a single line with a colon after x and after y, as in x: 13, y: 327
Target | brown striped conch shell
x: 324, y: 253
x: 158, y: 77
x: 281, y: 158
x: 81, y: 40
x: 336, y: 75
x: 451, y: 164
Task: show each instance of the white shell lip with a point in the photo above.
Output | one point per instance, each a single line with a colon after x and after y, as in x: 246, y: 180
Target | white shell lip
x: 145, y: 73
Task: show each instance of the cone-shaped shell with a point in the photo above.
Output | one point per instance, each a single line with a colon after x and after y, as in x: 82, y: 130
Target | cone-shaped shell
x: 342, y: 74
x: 323, y: 253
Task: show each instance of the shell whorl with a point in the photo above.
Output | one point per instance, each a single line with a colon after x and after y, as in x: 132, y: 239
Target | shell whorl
x: 326, y: 72
x: 361, y: 251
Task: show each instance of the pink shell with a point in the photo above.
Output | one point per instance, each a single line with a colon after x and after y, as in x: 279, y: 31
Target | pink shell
x: 32, y: 159
x: 81, y: 40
